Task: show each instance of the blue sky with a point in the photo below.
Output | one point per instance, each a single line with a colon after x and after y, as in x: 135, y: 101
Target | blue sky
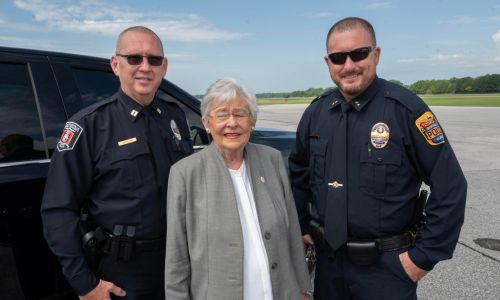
x: 270, y: 46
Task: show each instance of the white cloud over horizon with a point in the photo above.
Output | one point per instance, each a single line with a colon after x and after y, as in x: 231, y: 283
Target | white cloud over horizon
x: 315, y: 14
x: 378, y: 5
x: 496, y: 39
x: 439, y: 57
x: 97, y: 16
x: 460, y: 20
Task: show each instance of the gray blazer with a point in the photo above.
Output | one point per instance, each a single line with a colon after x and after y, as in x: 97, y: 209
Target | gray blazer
x: 204, y: 248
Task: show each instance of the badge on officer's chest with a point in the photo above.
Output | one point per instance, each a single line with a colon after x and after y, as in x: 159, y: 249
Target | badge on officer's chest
x: 380, y: 135
x: 175, y: 130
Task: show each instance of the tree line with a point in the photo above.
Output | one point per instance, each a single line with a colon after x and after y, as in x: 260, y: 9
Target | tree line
x: 489, y: 83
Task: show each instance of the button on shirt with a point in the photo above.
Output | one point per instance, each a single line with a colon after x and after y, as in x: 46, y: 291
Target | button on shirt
x: 105, y: 159
x: 382, y: 182
x: 256, y: 277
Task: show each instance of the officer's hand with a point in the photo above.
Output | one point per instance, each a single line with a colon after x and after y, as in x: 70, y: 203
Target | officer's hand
x: 414, y: 272
x: 103, y: 290
x: 305, y: 296
x: 308, y: 241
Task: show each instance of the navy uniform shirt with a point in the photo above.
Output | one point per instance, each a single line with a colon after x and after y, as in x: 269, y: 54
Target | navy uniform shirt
x: 105, y: 158
x: 383, y: 180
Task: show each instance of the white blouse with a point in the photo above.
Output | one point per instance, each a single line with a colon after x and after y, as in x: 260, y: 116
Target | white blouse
x: 256, y: 276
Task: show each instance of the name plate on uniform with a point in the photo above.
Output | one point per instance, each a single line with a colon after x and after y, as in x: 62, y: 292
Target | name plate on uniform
x: 127, y: 141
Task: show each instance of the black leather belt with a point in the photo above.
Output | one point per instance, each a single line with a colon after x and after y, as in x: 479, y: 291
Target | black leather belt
x: 396, y: 242
x: 366, y: 252
x: 124, y: 247
x: 385, y: 244
x: 391, y: 243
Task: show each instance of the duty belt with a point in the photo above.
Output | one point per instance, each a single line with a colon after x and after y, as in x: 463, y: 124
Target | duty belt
x: 393, y: 243
x: 384, y: 244
x: 124, y: 247
x: 366, y: 252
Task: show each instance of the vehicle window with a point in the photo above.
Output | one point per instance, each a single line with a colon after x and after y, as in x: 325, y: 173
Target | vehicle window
x: 20, y: 130
x: 95, y: 85
x: 198, y: 133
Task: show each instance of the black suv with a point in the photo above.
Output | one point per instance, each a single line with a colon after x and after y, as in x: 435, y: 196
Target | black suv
x: 39, y: 91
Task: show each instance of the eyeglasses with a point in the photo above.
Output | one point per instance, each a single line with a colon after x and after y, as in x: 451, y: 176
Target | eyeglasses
x: 223, y: 116
x: 136, y: 59
x: 339, y: 58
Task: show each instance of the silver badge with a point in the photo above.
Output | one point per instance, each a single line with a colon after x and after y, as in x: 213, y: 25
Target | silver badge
x: 380, y: 135
x: 175, y: 130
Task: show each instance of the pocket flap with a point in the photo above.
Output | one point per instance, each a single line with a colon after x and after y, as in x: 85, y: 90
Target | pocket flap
x: 318, y: 147
x: 128, y: 151
x: 387, y: 155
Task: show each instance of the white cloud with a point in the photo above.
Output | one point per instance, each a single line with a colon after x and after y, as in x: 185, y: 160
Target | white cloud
x: 377, y: 5
x: 12, y: 41
x: 447, y: 57
x: 496, y: 38
x: 436, y: 58
x: 458, y: 20
x: 318, y: 15
x: 95, y: 16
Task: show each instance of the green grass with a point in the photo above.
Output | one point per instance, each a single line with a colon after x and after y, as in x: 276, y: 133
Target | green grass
x: 284, y: 101
x: 462, y: 99
x: 484, y: 100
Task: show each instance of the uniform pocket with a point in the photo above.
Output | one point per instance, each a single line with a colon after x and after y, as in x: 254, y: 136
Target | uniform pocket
x: 397, y: 267
x: 124, y: 163
x: 376, y: 166
x: 317, y: 160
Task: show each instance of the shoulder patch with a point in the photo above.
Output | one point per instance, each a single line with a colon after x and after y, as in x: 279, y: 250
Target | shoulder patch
x: 69, y: 137
x: 429, y: 126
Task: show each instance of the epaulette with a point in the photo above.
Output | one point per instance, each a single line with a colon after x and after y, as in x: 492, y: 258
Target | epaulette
x: 324, y: 95
x: 404, y: 96
x: 169, y: 103
x: 93, y: 107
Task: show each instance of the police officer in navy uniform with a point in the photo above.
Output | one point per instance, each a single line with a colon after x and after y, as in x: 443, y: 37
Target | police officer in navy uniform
x: 113, y: 160
x: 362, y: 153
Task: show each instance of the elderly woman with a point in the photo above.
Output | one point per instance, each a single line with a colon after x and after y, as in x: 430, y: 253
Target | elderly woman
x: 232, y: 227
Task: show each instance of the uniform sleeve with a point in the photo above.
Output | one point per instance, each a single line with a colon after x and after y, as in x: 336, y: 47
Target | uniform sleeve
x: 68, y: 183
x: 298, y: 163
x: 177, y: 261
x: 294, y: 235
x: 439, y: 168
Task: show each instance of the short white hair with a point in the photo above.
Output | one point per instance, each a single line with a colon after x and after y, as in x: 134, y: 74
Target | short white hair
x: 225, y: 90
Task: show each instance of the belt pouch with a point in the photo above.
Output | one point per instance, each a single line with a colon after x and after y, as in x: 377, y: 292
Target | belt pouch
x: 362, y: 253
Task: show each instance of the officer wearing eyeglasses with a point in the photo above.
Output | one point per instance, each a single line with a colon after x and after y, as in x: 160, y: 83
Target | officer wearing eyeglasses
x: 112, y: 163
x: 362, y: 153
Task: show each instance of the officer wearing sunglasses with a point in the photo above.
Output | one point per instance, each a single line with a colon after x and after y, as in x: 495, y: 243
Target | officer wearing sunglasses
x: 112, y: 162
x: 362, y: 152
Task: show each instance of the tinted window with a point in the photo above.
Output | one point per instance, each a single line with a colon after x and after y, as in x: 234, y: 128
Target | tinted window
x: 95, y: 85
x: 20, y: 131
x: 198, y: 133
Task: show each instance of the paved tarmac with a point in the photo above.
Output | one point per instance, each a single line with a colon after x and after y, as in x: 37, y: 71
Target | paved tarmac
x: 474, y: 133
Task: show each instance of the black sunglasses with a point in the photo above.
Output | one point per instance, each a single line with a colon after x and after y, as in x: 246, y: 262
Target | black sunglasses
x: 339, y: 58
x: 136, y: 59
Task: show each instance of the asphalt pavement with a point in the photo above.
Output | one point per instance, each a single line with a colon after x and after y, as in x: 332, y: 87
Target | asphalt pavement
x: 474, y: 133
